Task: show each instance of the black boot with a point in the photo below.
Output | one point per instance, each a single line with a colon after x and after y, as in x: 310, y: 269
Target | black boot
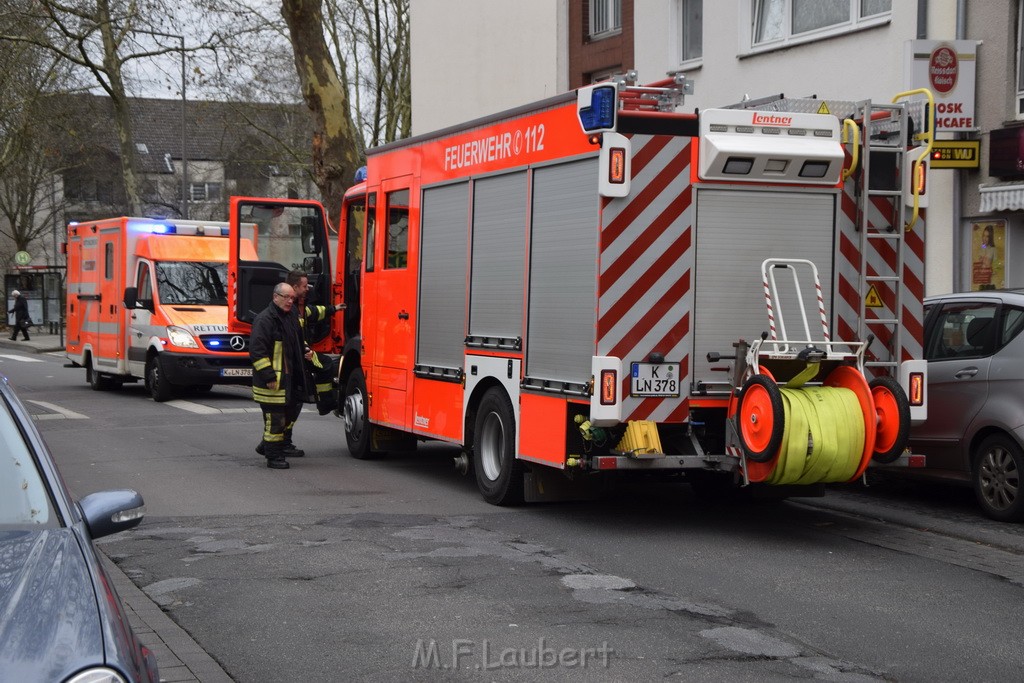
x: 261, y: 448
x: 290, y: 451
x: 275, y: 456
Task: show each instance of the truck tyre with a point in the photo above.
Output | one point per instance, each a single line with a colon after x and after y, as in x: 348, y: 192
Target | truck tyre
x: 892, y: 410
x: 159, y: 388
x: 997, y: 468
x: 499, y: 474
x: 357, y: 423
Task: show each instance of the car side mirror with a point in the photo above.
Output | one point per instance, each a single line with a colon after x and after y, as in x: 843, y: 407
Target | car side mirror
x: 108, y: 512
x: 131, y: 297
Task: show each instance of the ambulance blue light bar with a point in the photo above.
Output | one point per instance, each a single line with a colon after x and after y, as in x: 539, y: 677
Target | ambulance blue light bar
x: 154, y: 228
x: 597, y: 107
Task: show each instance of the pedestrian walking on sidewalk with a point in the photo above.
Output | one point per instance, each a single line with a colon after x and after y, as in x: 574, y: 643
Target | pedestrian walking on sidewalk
x: 279, y: 382
x: 20, y: 312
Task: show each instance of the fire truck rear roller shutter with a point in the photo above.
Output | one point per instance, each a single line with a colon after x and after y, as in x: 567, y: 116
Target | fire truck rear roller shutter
x: 563, y: 258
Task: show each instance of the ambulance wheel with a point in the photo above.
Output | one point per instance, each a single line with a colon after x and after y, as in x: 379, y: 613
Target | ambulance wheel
x: 761, y: 418
x: 97, y: 380
x: 159, y: 388
x: 357, y: 423
x: 499, y: 474
x: 892, y: 411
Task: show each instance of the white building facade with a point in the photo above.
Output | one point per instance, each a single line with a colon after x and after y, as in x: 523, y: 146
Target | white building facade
x: 473, y: 58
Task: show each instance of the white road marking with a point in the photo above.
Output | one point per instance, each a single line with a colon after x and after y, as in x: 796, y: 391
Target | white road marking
x: 193, y: 407
x: 23, y: 359
x: 62, y: 413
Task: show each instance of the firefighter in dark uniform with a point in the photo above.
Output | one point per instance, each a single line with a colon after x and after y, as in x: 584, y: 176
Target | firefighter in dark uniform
x: 310, y: 315
x: 279, y: 380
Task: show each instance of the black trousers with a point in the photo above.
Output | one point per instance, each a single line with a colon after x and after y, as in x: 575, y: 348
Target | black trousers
x: 278, y: 421
x: 23, y: 326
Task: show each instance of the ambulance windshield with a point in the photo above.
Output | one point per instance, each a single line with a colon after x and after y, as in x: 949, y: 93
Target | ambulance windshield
x: 192, y: 282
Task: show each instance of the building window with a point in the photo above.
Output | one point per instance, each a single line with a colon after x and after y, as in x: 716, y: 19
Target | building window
x: 605, y: 17
x: 204, y: 192
x: 783, y: 22
x: 691, y: 20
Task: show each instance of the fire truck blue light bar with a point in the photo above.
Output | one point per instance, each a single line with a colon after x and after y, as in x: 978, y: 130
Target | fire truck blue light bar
x: 600, y: 115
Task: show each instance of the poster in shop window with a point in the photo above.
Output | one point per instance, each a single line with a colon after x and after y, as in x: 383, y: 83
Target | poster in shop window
x: 988, y: 250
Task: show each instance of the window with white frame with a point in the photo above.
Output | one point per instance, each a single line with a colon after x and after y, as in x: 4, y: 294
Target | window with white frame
x: 605, y: 17
x: 782, y: 22
x: 204, y: 192
x: 691, y: 31
x: 1020, y: 61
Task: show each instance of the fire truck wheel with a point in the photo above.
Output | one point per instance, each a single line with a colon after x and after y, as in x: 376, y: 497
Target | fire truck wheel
x: 761, y: 417
x: 357, y: 426
x: 159, y: 388
x: 892, y: 410
x: 499, y: 474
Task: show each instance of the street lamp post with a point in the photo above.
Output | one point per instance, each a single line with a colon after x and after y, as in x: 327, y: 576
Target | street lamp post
x: 184, y: 156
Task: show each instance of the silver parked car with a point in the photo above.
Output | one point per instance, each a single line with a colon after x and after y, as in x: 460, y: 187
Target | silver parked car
x: 975, y: 427
x: 60, y: 618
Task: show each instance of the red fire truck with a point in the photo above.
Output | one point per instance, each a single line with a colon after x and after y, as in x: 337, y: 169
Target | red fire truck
x: 598, y: 284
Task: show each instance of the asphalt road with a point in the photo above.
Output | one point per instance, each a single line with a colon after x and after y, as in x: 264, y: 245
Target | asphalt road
x: 395, y: 569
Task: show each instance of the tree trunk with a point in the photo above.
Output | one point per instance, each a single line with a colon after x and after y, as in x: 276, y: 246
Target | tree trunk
x: 122, y: 113
x: 335, y: 150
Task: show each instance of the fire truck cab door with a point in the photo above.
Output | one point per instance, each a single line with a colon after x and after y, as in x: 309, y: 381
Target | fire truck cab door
x: 270, y: 238
x: 389, y: 316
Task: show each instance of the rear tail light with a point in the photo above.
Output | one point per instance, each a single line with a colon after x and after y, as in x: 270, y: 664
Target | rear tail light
x: 916, y: 389
x: 609, y: 383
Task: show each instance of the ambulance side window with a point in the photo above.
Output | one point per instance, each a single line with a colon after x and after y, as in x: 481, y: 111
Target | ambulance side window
x: 371, y: 230
x: 108, y: 261
x: 398, y: 229
x: 145, y: 288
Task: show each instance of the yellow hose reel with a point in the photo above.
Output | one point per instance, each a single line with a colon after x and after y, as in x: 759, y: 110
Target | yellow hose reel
x: 820, y: 434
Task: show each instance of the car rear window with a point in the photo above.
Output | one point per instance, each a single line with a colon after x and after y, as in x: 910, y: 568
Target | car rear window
x: 1013, y: 323
x: 24, y: 496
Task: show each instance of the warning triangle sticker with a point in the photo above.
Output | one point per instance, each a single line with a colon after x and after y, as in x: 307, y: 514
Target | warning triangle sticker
x: 872, y: 300
x: 823, y: 109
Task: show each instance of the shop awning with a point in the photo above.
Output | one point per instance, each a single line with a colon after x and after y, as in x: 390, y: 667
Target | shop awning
x: 1002, y: 197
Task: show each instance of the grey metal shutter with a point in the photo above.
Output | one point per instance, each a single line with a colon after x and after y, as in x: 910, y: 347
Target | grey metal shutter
x: 563, y: 272
x: 499, y: 257
x: 736, y: 231
x: 442, y: 307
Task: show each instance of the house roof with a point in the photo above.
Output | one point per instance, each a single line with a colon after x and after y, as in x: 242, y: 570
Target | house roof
x: 239, y: 131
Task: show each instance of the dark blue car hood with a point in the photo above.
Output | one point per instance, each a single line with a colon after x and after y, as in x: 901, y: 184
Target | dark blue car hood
x: 49, y: 619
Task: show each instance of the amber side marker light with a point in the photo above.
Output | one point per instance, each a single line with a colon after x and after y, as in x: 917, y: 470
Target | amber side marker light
x: 609, y: 380
x: 617, y: 165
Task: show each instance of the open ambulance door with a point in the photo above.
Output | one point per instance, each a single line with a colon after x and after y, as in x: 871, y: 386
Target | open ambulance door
x: 270, y: 238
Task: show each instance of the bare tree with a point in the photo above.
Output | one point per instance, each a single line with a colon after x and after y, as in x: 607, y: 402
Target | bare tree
x: 325, y: 91
x: 29, y: 113
x: 99, y: 36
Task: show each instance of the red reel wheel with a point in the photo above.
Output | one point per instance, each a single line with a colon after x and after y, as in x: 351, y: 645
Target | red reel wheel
x: 892, y: 411
x: 761, y: 419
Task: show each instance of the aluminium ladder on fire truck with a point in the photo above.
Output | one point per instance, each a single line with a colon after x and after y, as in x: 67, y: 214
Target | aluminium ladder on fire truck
x: 883, y: 141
